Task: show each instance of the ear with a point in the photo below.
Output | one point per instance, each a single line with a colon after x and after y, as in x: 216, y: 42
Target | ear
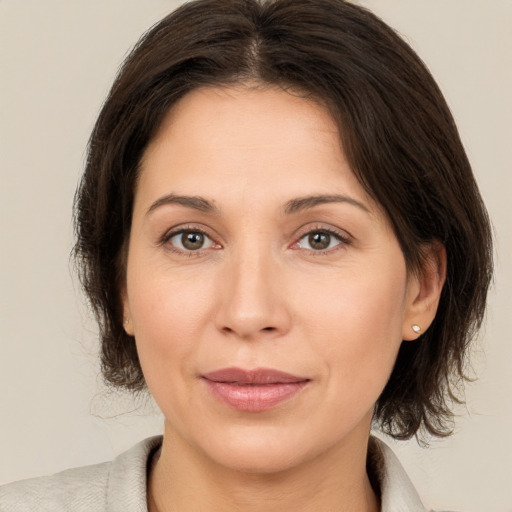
x: 127, y: 318
x: 424, y: 289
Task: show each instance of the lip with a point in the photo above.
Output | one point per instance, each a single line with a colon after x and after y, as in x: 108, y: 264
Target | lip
x: 253, y: 390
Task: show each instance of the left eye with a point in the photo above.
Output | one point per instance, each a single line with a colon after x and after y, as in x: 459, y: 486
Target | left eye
x: 319, y: 241
x: 191, y: 240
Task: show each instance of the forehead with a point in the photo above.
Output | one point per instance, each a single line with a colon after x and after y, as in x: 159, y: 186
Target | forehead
x: 246, y: 116
x: 247, y: 139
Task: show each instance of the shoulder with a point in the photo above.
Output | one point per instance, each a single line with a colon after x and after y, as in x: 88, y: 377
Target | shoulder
x: 121, y: 482
x: 78, y: 489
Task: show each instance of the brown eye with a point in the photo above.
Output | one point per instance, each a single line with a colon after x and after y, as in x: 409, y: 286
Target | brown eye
x: 319, y: 241
x: 190, y: 241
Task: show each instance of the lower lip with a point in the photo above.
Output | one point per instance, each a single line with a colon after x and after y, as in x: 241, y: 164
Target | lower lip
x: 254, y: 398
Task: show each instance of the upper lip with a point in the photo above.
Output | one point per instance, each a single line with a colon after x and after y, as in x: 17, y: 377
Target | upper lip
x: 256, y: 376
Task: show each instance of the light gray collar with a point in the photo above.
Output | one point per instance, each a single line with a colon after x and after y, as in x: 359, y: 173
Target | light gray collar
x: 397, y: 491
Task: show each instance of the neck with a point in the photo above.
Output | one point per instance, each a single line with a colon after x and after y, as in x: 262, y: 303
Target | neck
x: 183, y: 480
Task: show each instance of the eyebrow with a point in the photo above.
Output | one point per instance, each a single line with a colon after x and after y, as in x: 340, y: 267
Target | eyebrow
x: 293, y: 206
x: 305, y: 203
x: 194, y: 202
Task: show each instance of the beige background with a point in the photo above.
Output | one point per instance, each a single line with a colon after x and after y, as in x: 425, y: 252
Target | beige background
x: 57, y: 60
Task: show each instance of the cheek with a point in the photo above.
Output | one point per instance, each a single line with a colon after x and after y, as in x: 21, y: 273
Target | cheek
x: 357, y: 327
x: 167, y: 315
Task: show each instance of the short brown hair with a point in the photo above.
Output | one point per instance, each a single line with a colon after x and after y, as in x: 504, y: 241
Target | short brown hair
x: 397, y: 132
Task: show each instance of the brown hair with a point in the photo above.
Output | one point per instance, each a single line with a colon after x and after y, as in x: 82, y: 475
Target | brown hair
x: 398, y: 135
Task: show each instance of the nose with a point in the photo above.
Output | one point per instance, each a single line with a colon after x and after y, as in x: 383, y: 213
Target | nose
x: 253, y: 298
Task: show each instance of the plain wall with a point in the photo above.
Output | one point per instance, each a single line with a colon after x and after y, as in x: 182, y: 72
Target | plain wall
x: 57, y: 60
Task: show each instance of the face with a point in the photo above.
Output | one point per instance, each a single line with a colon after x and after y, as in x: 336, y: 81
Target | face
x: 266, y: 291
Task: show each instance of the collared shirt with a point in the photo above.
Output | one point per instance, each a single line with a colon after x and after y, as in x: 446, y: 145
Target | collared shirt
x: 120, y: 485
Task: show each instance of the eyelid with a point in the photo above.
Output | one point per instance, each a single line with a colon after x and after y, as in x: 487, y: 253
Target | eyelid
x: 343, y: 236
x: 208, y: 242
x: 180, y: 229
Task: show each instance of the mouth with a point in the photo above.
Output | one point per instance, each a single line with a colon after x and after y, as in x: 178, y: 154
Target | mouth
x: 253, y: 390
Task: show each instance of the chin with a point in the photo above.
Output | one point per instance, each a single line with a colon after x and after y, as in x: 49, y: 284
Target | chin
x: 263, y: 450
x: 260, y: 460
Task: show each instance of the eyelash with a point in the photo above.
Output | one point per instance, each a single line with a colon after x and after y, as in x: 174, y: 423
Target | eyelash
x: 188, y: 229
x: 343, y: 240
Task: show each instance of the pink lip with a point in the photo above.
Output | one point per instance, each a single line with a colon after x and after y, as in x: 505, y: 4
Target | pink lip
x: 253, y: 390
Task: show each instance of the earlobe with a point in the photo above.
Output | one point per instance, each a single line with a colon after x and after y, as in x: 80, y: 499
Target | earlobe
x: 127, y: 322
x: 424, y: 291
x: 127, y: 325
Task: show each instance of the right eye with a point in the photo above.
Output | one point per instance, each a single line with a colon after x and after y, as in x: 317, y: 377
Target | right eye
x: 190, y: 240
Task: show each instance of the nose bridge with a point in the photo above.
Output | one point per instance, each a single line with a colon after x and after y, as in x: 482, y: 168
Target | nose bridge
x: 252, y: 301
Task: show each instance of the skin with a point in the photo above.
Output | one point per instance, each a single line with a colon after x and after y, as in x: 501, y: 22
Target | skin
x: 259, y: 295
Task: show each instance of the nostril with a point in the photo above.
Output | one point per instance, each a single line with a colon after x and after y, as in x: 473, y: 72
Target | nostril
x: 268, y: 329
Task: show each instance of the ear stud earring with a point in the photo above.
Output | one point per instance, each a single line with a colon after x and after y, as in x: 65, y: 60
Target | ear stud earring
x: 126, y: 321
x: 416, y: 328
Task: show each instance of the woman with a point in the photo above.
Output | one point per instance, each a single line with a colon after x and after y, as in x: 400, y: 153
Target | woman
x: 281, y: 237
